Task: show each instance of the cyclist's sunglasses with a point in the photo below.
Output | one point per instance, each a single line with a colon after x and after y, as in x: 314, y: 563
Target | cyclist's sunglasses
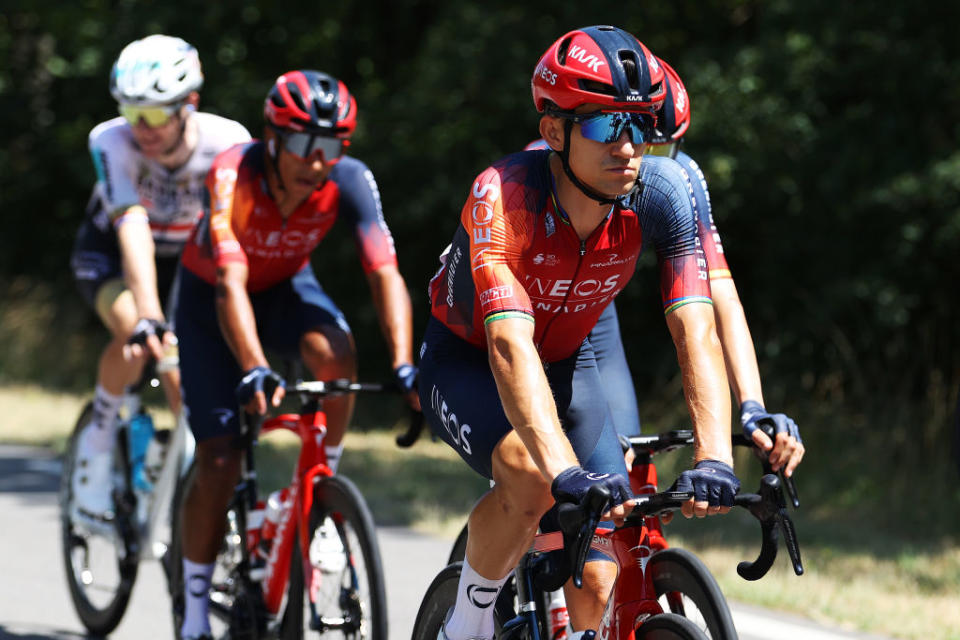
x: 303, y: 145
x: 608, y: 126
x: 668, y: 150
x: 153, y: 115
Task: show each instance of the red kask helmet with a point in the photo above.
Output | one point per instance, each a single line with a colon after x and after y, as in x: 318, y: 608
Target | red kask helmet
x: 673, y: 117
x: 598, y: 65
x: 311, y: 101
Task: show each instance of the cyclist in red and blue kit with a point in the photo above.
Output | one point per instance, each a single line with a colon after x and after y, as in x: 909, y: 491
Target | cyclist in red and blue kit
x: 546, y: 240
x: 673, y: 121
x: 247, y: 282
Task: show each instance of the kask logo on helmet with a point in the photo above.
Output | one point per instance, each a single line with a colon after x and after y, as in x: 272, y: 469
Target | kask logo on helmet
x: 590, y: 60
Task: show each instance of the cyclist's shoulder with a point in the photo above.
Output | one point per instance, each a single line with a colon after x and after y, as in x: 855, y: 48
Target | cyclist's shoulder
x: 112, y: 134
x: 521, y: 173
x: 245, y: 159
x: 350, y: 168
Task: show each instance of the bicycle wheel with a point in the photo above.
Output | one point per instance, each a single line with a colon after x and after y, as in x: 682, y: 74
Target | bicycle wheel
x: 459, y: 550
x: 440, y: 597
x: 100, y: 558
x: 235, y: 600
x: 442, y: 594
x: 668, y: 626
x: 684, y: 586
x: 336, y: 588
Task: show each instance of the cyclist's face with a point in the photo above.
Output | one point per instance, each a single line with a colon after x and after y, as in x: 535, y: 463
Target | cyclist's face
x: 300, y: 175
x: 159, y: 140
x: 609, y: 168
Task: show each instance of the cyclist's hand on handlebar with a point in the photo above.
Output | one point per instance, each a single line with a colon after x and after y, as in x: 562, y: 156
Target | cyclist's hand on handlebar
x: 254, y: 387
x: 573, y: 483
x: 785, y: 450
x: 713, y: 485
x: 150, y: 334
x: 407, y: 376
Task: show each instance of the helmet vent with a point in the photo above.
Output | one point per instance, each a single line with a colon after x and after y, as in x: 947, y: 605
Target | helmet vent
x: 629, y: 63
x: 597, y: 87
x: 562, y: 51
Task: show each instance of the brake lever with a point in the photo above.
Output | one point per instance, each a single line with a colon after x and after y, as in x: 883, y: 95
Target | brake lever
x: 581, y: 521
x: 786, y: 481
x: 412, y: 434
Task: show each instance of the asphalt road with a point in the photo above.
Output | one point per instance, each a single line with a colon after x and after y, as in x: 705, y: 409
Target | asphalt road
x: 35, y: 603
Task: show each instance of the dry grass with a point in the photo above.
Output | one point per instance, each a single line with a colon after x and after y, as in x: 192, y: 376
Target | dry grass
x: 898, y: 588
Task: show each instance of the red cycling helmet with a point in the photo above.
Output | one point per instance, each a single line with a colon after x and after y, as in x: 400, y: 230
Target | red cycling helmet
x: 598, y: 65
x: 311, y: 101
x: 673, y: 117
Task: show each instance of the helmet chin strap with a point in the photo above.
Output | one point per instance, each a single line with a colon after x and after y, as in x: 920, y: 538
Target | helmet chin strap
x: 565, y: 161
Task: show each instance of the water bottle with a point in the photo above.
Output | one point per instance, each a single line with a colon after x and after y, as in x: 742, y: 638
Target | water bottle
x: 557, y: 615
x: 274, y: 510
x: 254, y: 524
x: 156, y: 454
x: 141, y: 433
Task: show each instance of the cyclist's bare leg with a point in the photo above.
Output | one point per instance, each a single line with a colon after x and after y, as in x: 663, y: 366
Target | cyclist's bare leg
x: 503, y: 523
x: 217, y: 471
x: 586, y: 605
x: 119, y: 314
x: 329, y: 353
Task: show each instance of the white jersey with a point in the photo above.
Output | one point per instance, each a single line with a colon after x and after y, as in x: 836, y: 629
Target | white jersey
x: 173, y: 198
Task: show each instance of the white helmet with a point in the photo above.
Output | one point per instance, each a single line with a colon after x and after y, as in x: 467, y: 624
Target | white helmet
x: 155, y: 70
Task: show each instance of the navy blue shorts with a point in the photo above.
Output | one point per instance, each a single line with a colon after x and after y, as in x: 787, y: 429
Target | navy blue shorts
x: 614, y: 372
x: 460, y: 400
x: 209, y: 370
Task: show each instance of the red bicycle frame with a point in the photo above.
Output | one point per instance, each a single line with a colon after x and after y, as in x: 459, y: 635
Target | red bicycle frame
x: 311, y: 428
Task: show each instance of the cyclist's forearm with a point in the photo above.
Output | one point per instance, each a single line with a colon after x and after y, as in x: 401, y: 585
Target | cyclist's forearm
x: 392, y: 302
x: 526, y: 396
x: 238, y: 324
x: 704, y: 380
x: 738, y: 351
x: 137, y: 257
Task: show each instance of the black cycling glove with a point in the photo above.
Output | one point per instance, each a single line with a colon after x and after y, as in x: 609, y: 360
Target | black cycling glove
x: 710, y: 481
x: 258, y: 379
x: 406, y: 377
x: 145, y: 328
x: 753, y: 415
x: 572, y: 484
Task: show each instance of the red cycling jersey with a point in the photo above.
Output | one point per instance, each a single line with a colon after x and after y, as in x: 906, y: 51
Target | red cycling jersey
x: 241, y: 221
x: 516, y: 255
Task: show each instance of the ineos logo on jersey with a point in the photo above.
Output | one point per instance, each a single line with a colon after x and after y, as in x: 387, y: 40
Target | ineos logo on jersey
x: 583, y: 288
x: 458, y: 432
x: 481, y: 597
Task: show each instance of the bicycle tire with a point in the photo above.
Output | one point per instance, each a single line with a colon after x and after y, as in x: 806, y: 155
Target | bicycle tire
x: 437, y: 601
x: 234, y: 598
x: 680, y: 579
x: 100, y: 609
x: 459, y: 550
x: 356, y: 597
x: 668, y: 626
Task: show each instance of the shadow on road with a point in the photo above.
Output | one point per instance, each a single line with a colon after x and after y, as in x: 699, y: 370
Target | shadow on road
x: 29, y: 632
x: 28, y: 470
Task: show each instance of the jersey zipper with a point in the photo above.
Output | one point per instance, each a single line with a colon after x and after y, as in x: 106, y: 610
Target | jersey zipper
x: 573, y: 283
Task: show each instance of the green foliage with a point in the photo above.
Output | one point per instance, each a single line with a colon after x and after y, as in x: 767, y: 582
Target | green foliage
x: 827, y: 132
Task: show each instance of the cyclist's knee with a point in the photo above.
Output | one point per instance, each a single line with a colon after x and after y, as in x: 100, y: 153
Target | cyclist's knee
x: 329, y: 352
x: 218, y: 462
x: 520, y: 488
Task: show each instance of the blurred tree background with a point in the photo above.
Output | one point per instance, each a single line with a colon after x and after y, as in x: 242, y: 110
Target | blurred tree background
x: 827, y: 131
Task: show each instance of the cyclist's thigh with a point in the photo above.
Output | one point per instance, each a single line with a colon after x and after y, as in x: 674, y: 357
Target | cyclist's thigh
x: 581, y: 403
x: 208, y: 369
x: 290, y: 308
x: 95, y: 261
x: 615, y: 373
x: 459, y: 396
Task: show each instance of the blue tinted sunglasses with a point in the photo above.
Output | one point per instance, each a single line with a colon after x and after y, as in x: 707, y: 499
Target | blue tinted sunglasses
x: 608, y: 126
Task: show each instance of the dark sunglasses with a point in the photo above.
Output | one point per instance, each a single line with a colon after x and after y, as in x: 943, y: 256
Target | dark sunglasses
x: 608, y: 126
x: 304, y: 145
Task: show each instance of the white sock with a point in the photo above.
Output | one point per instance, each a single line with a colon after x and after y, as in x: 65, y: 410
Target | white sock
x: 101, y: 432
x: 473, y: 613
x: 334, y: 452
x: 196, y: 593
